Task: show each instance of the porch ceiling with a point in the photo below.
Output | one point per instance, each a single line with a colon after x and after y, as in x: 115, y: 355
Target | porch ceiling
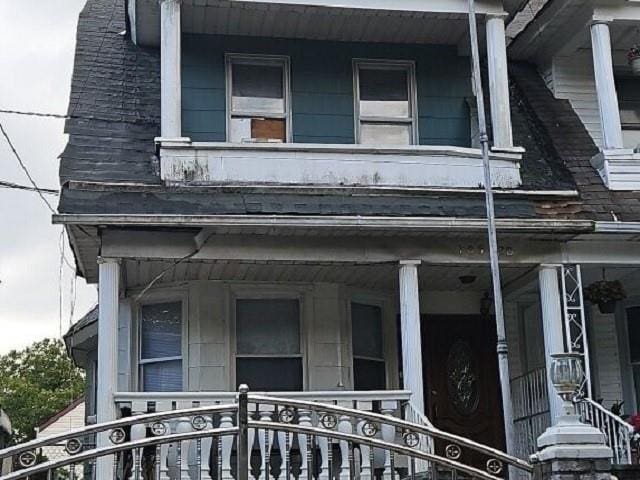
x: 316, y: 20
x: 139, y: 273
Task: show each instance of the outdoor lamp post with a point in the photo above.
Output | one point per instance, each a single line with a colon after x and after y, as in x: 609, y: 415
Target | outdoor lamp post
x: 566, y: 375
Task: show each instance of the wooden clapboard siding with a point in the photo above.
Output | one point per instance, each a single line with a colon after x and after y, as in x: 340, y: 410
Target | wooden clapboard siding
x: 124, y: 345
x: 606, y: 356
x: 572, y: 79
x: 512, y: 325
x: 322, y: 87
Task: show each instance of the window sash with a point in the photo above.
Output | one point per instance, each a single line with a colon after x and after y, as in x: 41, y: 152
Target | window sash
x: 411, y: 119
x: 259, y: 60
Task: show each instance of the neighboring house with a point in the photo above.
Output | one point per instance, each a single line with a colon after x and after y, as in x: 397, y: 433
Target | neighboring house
x: 288, y: 194
x: 5, y: 437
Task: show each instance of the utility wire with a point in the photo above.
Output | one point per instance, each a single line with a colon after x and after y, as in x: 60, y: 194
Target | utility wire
x: 26, y: 170
x: 62, y: 116
x: 16, y: 186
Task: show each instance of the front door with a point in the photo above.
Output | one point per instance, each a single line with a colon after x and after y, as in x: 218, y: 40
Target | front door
x: 461, y: 382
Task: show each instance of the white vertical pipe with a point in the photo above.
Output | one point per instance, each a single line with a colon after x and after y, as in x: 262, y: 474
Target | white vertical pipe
x: 170, y: 58
x: 498, y: 82
x: 606, y: 86
x: 552, y: 329
x: 410, y: 332
x: 108, y: 301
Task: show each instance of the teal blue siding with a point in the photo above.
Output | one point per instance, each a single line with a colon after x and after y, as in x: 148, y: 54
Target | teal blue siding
x: 322, y: 87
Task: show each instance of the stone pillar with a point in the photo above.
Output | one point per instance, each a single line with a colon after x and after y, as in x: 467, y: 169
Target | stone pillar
x: 410, y: 332
x: 572, y: 450
x: 498, y: 83
x: 606, y: 87
x: 170, y: 54
x: 108, y: 301
x: 551, y: 307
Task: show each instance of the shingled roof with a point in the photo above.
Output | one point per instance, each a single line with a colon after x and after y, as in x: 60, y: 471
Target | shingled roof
x: 117, y: 85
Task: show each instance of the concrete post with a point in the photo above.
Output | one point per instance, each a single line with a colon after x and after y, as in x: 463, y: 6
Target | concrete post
x: 498, y: 83
x: 410, y: 332
x: 170, y: 58
x: 551, y: 309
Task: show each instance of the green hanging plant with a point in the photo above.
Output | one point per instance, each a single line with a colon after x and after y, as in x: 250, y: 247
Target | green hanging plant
x: 605, y: 294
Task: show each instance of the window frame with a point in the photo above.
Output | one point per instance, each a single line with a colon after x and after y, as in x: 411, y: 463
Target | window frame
x: 379, y: 64
x: 372, y: 301
x: 627, y: 363
x: 240, y: 293
x: 156, y: 298
x: 282, y: 61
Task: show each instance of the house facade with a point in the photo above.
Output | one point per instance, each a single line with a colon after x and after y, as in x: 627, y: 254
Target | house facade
x: 288, y: 195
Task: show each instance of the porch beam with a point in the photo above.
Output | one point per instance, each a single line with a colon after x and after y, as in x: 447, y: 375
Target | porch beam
x: 108, y: 301
x: 551, y: 308
x: 410, y: 333
x: 606, y: 86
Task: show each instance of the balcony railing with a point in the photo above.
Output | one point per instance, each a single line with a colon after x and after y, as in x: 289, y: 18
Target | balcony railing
x: 417, y: 166
x: 265, y: 437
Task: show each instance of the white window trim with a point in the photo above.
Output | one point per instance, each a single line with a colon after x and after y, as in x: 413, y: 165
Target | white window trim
x: 250, y: 59
x: 156, y: 297
x: 388, y: 336
x: 257, y: 293
x: 410, y: 67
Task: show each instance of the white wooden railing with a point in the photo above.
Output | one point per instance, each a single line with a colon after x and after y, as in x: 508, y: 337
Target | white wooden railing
x: 531, y: 415
x: 617, y: 432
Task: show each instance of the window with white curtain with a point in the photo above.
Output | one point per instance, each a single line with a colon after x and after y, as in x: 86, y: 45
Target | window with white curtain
x: 385, y: 102
x: 268, y: 347
x: 160, y: 347
x: 368, y: 347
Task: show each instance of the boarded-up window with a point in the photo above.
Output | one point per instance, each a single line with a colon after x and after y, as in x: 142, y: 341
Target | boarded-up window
x: 368, y: 347
x: 160, y: 347
x: 384, y: 104
x: 258, y: 98
x: 268, y: 351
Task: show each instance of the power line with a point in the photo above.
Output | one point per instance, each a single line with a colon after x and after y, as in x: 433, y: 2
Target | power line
x: 61, y: 116
x: 16, y: 186
x: 26, y: 170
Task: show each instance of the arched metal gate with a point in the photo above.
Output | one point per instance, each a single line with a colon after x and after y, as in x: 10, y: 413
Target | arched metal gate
x: 266, y: 438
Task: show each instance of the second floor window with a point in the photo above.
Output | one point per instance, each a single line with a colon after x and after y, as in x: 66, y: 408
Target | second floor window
x: 257, y: 99
x: 160, y: 347
x: 385, y: 102
x: 629, y: 100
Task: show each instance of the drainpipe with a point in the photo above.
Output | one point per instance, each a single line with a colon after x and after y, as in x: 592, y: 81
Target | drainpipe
x: 503, y: 361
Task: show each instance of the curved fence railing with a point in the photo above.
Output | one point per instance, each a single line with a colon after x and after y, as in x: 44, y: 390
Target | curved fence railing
x: 265, y: 438
x: 617, y: 432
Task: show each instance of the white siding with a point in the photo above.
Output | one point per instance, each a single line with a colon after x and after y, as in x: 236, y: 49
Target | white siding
x: 70, y: 421
x: 606, y: 356
x: 124, y: 346
x: 513, y: 338
x: 572, y: 78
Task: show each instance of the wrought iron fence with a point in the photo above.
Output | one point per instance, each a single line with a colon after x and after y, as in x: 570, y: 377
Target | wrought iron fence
x: 268, y: 438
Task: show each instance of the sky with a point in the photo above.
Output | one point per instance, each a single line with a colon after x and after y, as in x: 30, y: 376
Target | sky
x: 37, y: 41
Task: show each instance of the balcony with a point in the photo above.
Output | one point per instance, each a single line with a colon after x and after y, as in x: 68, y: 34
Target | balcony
x: 418, y: 166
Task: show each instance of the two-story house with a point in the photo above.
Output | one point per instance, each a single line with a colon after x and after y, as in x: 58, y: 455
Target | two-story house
x: 288, y: 194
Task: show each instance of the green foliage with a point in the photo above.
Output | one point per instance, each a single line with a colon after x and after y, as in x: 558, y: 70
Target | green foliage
x: 35, y: 383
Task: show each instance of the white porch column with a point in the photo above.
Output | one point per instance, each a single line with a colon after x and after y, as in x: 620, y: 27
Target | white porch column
x: 410, y: 332
x: 170, y: 54
x: 498, y: 82
x: 605, y: 86
x: 550, y: 303
x: 108, y: 301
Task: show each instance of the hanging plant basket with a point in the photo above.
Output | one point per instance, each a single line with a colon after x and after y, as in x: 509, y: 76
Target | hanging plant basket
x: 633, y: 55
x: 606, y: 294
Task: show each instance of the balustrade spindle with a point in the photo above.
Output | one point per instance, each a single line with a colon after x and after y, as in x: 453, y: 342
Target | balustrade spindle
x: 345, y: 426
x: 304, y: 419
x: 283, y: 445
x: 138, y: 432
x: 366, y: 452
x: 226, y: 445
x: 265, y: 439
x: 388, y: 435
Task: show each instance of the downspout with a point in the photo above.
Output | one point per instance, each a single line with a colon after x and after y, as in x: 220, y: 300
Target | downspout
x: 502, y: 349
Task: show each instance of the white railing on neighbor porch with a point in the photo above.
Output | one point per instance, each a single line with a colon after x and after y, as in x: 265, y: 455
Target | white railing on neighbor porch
x: 616, y: 430
x: 531, y: 414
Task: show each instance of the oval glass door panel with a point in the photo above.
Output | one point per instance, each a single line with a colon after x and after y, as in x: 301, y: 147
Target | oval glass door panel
x: 462, y: 377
